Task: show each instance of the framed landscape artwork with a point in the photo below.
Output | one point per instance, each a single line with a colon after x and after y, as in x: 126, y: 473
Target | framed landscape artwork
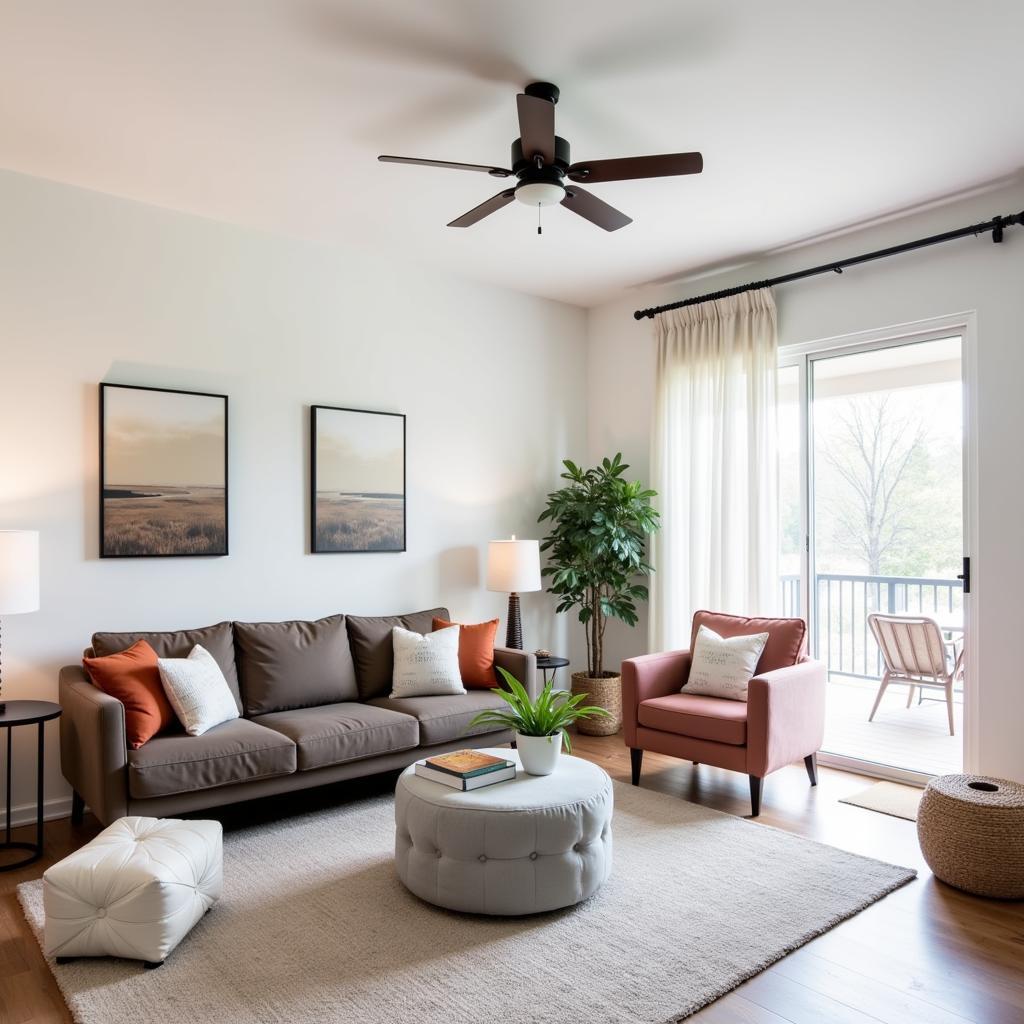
x: 358, y: 480
x: 163, y: 472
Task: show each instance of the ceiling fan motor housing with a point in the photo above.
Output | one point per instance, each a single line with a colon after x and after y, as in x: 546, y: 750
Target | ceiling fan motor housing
x: 523, y: 164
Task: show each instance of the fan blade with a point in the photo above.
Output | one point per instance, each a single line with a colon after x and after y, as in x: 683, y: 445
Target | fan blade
x: 636, y: 167
x: 485, y: 209
x: 597, y: 211
x: 537, y: 127
x: 497, y: 172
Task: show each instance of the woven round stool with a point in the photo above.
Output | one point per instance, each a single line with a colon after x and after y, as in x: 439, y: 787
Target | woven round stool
x: 971, y: 830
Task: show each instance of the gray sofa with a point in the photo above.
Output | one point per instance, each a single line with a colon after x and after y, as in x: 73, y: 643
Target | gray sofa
x: 315, y: 709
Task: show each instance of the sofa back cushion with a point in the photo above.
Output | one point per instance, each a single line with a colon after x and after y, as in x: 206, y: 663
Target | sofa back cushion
x: 787, y: 638
x: 372, y: 651
x: 297, y: 664
x: 219, y: 640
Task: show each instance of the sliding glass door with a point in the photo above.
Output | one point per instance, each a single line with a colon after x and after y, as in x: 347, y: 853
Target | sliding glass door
x: 871, y: 522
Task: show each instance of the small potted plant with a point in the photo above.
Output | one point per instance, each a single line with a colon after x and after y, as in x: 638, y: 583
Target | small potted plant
x: 596, y: 557
x: 540, y: 725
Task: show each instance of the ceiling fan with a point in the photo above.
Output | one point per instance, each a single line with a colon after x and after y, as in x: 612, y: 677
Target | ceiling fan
x: 540, y: 160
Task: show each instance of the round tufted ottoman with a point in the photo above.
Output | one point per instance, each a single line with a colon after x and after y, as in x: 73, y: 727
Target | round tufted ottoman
x: 971, y: 830
x: 534, y: 843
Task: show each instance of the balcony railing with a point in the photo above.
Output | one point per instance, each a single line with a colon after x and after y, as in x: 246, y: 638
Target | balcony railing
x: 842, y: 638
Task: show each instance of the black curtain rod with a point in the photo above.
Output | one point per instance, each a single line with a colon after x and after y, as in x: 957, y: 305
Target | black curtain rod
x: 995, y: 225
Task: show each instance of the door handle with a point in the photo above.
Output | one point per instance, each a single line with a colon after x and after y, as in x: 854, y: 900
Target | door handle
x: 966, y: 575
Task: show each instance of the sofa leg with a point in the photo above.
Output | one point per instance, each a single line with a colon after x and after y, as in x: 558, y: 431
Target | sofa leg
x: 811, y: 764
x: 636, y: 759
x: 756, y: 787
x: 77, y: 808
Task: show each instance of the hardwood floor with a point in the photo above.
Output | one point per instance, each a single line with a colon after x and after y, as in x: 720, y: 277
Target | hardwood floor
x: 926, y: 954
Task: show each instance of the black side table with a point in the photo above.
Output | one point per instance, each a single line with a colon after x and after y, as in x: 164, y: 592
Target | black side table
x: 26, y: 712
x: 551, y: 664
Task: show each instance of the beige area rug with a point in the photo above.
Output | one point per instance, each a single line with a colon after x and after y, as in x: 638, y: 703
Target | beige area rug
x: 315, y: 928
x: 890, y: 798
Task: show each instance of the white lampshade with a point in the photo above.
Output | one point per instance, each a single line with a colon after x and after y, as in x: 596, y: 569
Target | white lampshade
x: 513, y: 566
x: 19, y: 571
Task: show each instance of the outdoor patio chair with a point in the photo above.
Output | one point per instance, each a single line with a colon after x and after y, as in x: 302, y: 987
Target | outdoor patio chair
x: 915, y: 653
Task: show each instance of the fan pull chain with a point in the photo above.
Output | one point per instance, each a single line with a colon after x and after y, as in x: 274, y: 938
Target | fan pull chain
x: 540, y: 230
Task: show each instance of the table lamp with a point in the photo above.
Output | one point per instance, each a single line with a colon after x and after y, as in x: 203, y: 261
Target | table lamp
x: 513, y: 568
x: 19, y: 577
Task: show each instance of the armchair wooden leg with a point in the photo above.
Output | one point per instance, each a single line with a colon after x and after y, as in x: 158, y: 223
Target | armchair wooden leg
x: 811, y: 764
x: 77, y: 808
x: 910, y: 695
x: 756, y: 788
x: 949, y: 706
x: 636, y: 759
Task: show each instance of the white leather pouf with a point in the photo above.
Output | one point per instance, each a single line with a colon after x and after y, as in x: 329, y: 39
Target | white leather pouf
x: 524, y: 846
x: 135, y: 891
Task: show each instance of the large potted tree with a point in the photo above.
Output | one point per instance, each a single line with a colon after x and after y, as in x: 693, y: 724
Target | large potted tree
x: 596, y: 551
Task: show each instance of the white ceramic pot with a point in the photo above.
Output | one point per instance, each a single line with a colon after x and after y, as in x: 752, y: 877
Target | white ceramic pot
x: 539, y: 754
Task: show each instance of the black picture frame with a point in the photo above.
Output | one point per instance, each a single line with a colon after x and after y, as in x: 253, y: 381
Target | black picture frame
x: 318, y: 543
x: 107, y: 547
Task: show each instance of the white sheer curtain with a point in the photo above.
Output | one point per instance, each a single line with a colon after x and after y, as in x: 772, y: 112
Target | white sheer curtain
x: 714, y: 464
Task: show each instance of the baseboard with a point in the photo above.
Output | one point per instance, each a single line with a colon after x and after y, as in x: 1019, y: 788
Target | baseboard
x: 25, y: 814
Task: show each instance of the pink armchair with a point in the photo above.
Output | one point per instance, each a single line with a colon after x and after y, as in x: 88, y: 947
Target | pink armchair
x: 782, y: 720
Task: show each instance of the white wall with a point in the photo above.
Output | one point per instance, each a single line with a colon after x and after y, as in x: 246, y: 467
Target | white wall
x: 969, y: 274
x: 94, y: 288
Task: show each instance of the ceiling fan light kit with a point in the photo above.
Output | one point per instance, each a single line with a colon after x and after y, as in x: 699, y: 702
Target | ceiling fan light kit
x: 540, y: 193
x: 541, y: 162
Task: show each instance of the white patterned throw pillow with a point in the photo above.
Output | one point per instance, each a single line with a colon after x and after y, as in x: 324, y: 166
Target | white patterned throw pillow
x: 426, y: 665
x: 197, y: 690
x: 723, y: 666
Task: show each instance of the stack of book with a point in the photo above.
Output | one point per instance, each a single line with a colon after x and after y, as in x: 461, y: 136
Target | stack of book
x: 466, y: 769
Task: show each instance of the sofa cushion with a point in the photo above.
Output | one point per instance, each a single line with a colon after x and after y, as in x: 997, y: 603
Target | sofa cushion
x: 285, y: 665
x: 700, y: 718
x: 374, y: 657
x: 343, y: 732
x: 219, y: 640
x: 787, y: 638
x: 445, y: 719
x: 236, y: 751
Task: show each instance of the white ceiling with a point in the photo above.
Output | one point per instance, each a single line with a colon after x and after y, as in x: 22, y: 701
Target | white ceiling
x: 811, y: 114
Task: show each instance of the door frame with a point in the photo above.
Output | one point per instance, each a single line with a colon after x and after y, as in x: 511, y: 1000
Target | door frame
x: 802, y: 354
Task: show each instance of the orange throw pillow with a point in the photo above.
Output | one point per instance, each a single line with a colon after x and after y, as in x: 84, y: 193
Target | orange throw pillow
x: 476, y: 653
x: 132, y: 676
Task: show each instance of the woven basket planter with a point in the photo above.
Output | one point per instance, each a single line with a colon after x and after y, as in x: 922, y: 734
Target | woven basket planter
x: 971, y: 830
x: 603, y: 693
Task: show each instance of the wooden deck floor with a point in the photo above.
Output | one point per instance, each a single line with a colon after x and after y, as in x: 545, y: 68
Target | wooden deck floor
x: 916, y: 738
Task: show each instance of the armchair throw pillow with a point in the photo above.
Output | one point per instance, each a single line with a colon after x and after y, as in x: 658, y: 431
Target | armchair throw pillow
x: 723, y: 666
